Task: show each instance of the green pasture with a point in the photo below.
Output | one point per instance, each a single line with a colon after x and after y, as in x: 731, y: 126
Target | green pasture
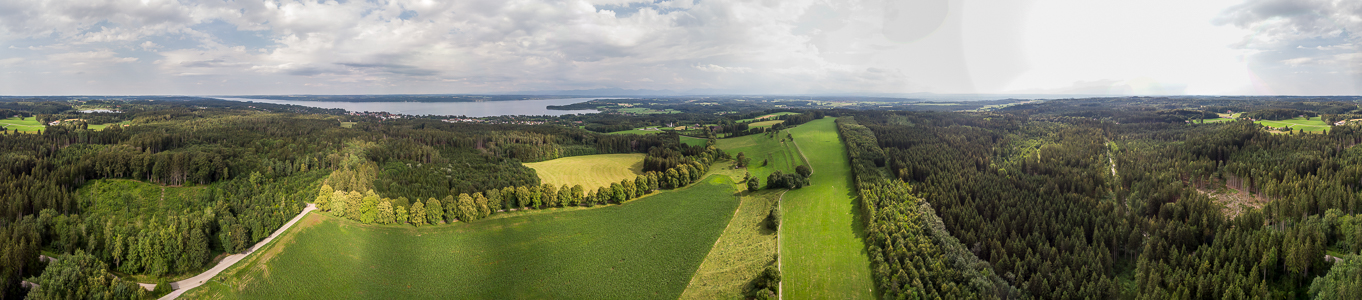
x: 1314, y: 124
x: 765, y: 124
x: 822, y: 253
x: 776, y: 150
x: 693, y: 141
x: 1216, y: 120
x: 645, y: 249
x: 767, y: 116
x: 27, y: 125
x: 641, y: 131
x: 590, y: 171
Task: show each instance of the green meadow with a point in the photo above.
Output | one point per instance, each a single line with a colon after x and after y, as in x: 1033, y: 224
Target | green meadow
x: 648, y: 248
x: 821, y: 252
x: 27, y: 125
x: 1314, y: 124
x: 767, y: 153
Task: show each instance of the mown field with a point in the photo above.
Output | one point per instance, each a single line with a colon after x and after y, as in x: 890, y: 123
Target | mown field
x: 1308, y: 124
x: 645, y: 249
x: 590, y: 171
x: 27, y: 125
x: 746, y: 247
x: 822, y: 254
x: 777, y: 152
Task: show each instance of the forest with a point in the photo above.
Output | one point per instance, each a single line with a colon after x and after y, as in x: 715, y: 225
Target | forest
x: 1103, y: 198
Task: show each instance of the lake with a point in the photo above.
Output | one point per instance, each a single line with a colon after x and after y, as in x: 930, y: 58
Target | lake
x: 470, y: 109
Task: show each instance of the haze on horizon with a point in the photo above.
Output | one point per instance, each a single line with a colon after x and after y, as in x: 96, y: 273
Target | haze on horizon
x: 1214, y: 47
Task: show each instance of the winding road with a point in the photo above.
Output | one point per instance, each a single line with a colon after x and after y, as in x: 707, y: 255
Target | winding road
x: 193, y: 282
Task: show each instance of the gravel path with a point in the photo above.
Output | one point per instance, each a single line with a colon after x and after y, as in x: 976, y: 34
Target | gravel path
x: 193, y: 282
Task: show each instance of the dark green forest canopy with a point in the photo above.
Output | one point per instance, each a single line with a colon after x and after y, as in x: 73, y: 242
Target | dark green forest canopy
x: 1127, y: 197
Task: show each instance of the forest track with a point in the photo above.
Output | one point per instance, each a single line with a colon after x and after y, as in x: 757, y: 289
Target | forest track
x: 183, y: 286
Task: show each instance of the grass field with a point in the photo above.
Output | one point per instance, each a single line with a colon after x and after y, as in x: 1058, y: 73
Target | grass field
x: 590, y: 171
x: 1308, y: 124
x: 746, y: 247
x: 638, y: 131
x: 27, y: 125
x: 822, y: 254
x: 102, y: 126
x: 693, y: 141
x: 765, y: 123
x: 778, y: 154
x: 645, y: 249
x: 1216, y: 120
x: 767, y: 116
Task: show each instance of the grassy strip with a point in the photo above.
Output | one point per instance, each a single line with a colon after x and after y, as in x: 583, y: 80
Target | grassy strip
x: 746, y: 247
x: 645, y: 249
x: 821, y: 251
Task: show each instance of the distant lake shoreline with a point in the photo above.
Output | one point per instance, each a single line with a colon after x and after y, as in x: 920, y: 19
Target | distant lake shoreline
x: 468, y: 109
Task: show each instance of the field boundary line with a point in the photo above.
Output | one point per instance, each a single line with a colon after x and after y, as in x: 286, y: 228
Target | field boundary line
x: 780, y: 256
x: 801, y: 154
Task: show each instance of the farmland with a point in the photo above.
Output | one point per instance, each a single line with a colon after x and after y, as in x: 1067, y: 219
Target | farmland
x: 590, y: 171
x: 768, y: 116
x: 693, y: 141
x: 644, y: 249
x: 1314, y: 124
x: 746, y: 247
x: 765, y: 123
x: 27, y: 125
x: 821, y: 253
x: 641, y: 130
x: 768, y: 153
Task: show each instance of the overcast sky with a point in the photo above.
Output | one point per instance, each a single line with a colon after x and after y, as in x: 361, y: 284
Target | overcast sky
x: 1238, y: 47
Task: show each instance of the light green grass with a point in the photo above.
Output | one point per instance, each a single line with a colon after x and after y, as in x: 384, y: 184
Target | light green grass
x: 27, y: 125
x: 746, y: 247
x: 777, y: 151
x: 767, y: 116
x: 765, y: 123
x: 822, y: 254
x: 693, y: 141
x: 1216, y: 120
x: 590, y: 171
x: 106, y: 125
x: 639, y: 131
x: 347, y: 124
x: 645, y: 249
x: 1308, y: 124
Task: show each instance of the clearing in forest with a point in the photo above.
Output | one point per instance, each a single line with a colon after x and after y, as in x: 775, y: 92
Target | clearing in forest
x: 766, y: 153
x: 693, y: 141
x: 644, y: 249
x: 590, y: 171
x: 1314, y: 124
x: 765, y: 124
x: 27, y: 125
x: 821, y: 251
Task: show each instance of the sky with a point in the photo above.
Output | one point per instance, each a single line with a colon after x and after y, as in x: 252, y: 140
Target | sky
x: 1096, y: 47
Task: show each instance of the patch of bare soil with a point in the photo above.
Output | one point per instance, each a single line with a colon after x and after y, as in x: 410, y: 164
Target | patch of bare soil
x: 1235, y: 201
